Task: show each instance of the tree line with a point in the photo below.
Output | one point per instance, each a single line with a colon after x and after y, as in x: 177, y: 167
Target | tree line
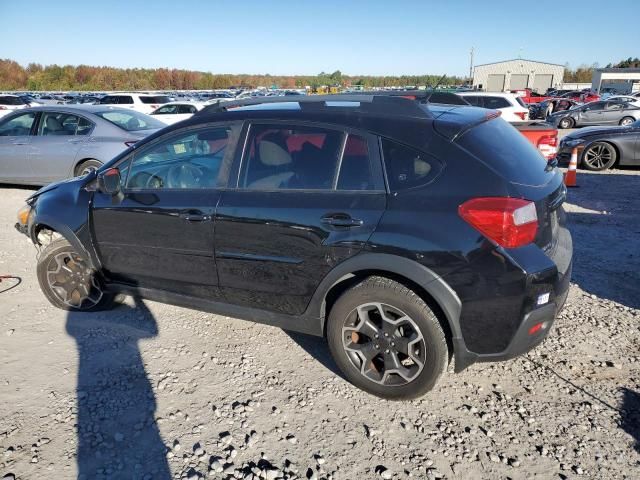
x: 36, y: 77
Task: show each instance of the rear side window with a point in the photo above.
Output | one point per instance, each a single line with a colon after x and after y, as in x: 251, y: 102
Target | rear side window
x: 124, y: 100
x: 155, y: 99
x: 473, y: 100
x: 355, y: 167
x: 187, y: 109
x: 505, y: 150
x: 9, y: 100
x: 407, y: 167
x: 284, y: 158
x: 496, y: 102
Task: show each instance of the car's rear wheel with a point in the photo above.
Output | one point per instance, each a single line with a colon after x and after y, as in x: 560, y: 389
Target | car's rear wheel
x: 87, y: 167
x: 566, y: 122
x: 386, y: 340
x: 626, y: 121
x: 599, y: 156
x: 68, y: 282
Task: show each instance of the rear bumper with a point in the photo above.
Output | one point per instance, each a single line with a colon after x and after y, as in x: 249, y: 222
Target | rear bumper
x: 535, y: 322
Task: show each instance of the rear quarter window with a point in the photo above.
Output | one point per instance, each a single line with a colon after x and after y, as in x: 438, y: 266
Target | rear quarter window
x: 406, y: 166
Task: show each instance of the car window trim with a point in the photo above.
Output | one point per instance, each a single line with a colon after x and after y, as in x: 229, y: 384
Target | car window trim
x: 379, y: 183
x: 227, y: 158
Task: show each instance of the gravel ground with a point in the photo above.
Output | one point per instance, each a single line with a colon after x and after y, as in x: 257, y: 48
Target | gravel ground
x: 154, y: 391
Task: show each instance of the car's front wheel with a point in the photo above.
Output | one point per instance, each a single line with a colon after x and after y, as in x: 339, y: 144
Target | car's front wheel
x: 386, y: 340
x: 599, y: 156
x: 68, y: 282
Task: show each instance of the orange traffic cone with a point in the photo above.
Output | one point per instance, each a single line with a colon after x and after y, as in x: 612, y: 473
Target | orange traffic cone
x: 570, y: 178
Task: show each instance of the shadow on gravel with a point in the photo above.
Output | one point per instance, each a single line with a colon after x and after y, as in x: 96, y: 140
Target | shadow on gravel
x: 316, y: 347
x: 630, y: 415
x: 606, y: 258
x: 117, y: 432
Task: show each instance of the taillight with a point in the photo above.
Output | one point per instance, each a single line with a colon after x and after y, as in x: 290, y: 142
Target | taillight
x: 509, y: 222
x: 522, y: 115
x: 131, y: 143
x: 548, y: 146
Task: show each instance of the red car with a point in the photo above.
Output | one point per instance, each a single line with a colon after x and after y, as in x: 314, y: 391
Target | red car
x: 529, y: 96
x: 582, y: 96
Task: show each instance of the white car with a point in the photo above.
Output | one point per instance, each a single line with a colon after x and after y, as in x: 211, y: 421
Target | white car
x: 142, y: 102
x: 511, y: 107
x: 9, y: 103
x: 173, y: 112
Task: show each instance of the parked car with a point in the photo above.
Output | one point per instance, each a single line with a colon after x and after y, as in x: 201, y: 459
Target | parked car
x: 625, y: 99
x: 173, y: 112
x: 8, y: 103
x: 405, y: 233
x: 544, y: 109
x: 44, y: 144
x: 528, y: 96
x: 596, y: 113
x: 512, y: 108
x: 602, y: 147
x: 581, y: 96
x: 145, y: 103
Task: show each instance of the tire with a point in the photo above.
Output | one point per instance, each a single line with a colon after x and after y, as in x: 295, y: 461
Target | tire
x: 599, y: 156
x: 66, y: 287
x: 566, y: 122
x: 626, y: 121
x: 87, y: 166
x: 413, y: 328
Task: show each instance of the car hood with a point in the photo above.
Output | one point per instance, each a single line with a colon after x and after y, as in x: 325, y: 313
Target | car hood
x: 587, y: 131
x: 53, y: 186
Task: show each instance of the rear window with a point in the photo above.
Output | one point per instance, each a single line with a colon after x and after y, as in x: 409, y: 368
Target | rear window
x: 507, y: 151
x: 130, y: 120
x: 155, y: 99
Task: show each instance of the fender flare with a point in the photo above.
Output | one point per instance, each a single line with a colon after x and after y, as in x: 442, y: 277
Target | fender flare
x: 68, y: 234
x: 426, y: 278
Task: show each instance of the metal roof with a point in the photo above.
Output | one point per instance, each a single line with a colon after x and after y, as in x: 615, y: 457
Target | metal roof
x: 518, y: 60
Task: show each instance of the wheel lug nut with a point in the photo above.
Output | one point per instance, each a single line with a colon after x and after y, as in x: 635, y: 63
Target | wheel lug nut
x: 386, y: 334
x: 377, y: 346
x: 386, y: 351
x: 393, y: 344
x: 377, y: 336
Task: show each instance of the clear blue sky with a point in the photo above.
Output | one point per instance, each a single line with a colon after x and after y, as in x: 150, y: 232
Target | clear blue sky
x: 306, y: 37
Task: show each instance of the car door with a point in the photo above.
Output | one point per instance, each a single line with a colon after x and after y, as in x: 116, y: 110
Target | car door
x: 53, y: 150
x: 612, y: 113
x: 159, y: 233
x: 591, y: 114
x: 15, y: 135
x: 307, y: 197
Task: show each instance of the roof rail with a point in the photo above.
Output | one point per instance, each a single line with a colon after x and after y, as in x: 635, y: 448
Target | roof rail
x: 386, y: 102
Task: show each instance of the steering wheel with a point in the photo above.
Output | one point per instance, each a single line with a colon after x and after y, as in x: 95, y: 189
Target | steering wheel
x: 184, y: 175
x: 146, y: 180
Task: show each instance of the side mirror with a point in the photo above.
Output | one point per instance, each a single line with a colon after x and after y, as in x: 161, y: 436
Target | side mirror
x: 109, y: 181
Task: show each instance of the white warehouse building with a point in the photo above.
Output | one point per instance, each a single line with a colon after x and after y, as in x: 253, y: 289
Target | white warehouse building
x: 517, y: 74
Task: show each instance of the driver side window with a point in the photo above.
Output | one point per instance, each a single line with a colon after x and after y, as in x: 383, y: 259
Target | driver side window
x: 187, y: 161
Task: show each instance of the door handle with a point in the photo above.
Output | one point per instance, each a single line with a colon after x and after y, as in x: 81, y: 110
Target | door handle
x: 341, y: 220
x: 194, y: 216
x: 19, y: 142
x: 74, y: 140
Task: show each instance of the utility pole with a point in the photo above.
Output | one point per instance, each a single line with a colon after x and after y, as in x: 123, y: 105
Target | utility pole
x: 471, y: 67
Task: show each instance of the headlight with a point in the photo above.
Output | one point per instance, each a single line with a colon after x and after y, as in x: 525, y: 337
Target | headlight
x: 573, y: 142
x: 23, y: 215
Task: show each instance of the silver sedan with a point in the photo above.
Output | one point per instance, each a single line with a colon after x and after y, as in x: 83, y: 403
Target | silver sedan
x: 45, y: 144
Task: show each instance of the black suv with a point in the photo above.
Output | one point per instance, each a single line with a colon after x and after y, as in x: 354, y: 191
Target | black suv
x: 407, y: 233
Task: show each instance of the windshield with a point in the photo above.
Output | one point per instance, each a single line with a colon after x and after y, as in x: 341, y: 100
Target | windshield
x: 130, y: 120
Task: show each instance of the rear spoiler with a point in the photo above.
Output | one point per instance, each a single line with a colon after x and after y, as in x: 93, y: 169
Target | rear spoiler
x: 453, y: 123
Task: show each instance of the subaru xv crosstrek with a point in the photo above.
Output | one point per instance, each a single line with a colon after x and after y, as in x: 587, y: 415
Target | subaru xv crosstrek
x: 411, y: 235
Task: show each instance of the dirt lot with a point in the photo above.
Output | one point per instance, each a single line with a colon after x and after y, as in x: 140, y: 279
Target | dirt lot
x: 154, y: 391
